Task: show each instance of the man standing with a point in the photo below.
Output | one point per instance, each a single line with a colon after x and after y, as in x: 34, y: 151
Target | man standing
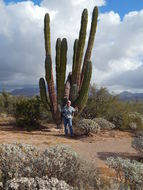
x: 67, y: 113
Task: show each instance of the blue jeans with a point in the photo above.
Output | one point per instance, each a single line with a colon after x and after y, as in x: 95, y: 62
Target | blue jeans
x: 69, y: 123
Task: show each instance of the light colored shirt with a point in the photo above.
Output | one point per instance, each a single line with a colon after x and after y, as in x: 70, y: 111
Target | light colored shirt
x: 67, y: 111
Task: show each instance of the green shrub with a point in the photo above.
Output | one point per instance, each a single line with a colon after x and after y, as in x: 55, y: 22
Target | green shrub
x: 27, y: 112
x: 7, y: 103
x: 137, y: 118
x: 101, y: 104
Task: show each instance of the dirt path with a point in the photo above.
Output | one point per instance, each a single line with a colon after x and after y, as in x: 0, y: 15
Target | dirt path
x: 95, y: 148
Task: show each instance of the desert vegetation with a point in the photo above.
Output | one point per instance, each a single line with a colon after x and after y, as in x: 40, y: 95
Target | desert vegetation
x: 59, y: 167
x: 24, y: 166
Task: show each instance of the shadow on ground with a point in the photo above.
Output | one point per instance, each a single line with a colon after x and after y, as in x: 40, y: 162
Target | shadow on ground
x: 124, y: 155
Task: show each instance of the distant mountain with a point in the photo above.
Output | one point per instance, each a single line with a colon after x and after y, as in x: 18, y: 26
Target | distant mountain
x: 127, y: 96
x: 25, y: 92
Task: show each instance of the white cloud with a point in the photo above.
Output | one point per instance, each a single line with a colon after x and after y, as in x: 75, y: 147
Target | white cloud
x: 118, y: 49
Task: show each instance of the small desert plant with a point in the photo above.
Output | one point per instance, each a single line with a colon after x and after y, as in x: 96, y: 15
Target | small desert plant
x: 104, y: 124
x: 7, y: 103
x: 137, y: 142
x: 37, y: 183
x: 129, y: 173
x: 86, y: 126
x: 27, y: 112
x: 136, y: 119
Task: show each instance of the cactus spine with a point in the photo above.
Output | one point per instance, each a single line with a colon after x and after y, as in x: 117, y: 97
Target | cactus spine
x: 77, y: 84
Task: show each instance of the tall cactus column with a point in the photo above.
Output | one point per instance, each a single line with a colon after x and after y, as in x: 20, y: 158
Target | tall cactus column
x: 78, y: 75
x: 79, y: 50
x: 90, y: 42
x: 48, y: 71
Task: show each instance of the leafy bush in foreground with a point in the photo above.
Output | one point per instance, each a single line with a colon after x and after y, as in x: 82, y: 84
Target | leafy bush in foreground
x: 37, y: 183
x: 129, y: 173
x: 21, y: 160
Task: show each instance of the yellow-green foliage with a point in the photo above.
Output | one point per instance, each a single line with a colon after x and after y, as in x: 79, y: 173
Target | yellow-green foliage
x: 122, y: 114
x: 7, y: 103
x: 27, y: 112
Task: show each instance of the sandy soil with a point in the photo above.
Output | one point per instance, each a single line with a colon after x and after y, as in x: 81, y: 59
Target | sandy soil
x: 95, y: 148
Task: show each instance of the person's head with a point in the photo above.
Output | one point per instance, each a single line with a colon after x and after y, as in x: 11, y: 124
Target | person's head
x: 68, y: 103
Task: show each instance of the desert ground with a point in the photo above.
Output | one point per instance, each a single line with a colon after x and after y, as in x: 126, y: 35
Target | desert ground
x: 94, y: 148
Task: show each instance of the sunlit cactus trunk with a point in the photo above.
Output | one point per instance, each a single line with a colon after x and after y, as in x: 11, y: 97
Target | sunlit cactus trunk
x: 77, y: 84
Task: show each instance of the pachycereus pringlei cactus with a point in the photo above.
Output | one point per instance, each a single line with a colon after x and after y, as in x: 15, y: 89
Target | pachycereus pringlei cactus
x: 76, y: 86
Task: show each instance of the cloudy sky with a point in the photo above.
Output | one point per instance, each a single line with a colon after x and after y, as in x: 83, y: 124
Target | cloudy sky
x: 118, y: 49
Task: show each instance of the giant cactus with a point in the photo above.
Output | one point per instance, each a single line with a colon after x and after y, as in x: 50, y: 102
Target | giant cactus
x: 78, y: 81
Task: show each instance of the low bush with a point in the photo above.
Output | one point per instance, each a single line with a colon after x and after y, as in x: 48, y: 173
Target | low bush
x: 86, y: 126
x: 129, y: 173
x: 137, y: 142
x: 27, y: 112
x: 135, y: 121
x: 37, y: 183
x: 20, y: 160
x: 7, y: 103
x: 104, y: 124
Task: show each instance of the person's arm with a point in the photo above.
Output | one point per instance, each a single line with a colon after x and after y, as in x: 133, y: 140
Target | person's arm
x: 75, y: 109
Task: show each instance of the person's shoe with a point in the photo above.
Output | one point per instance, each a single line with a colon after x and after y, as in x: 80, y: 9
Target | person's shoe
x: 71, y: 136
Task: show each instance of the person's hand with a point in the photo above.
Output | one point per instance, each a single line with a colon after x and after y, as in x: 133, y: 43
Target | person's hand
x: 76, y: 108
x: 59, y: 107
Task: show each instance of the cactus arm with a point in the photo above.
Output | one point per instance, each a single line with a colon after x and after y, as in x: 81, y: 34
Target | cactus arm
x: 66, y: 92
x: 90, y: 41
x: 43, y: 94
x: 62, y: 74
x: 50, y: 82
x: 80, y: 102
x: 74, y: 59
x: 58, y: 52
x: 47, y: 34
x: 80, y: 49
x: 48, y: 67
x: 73, y: 92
